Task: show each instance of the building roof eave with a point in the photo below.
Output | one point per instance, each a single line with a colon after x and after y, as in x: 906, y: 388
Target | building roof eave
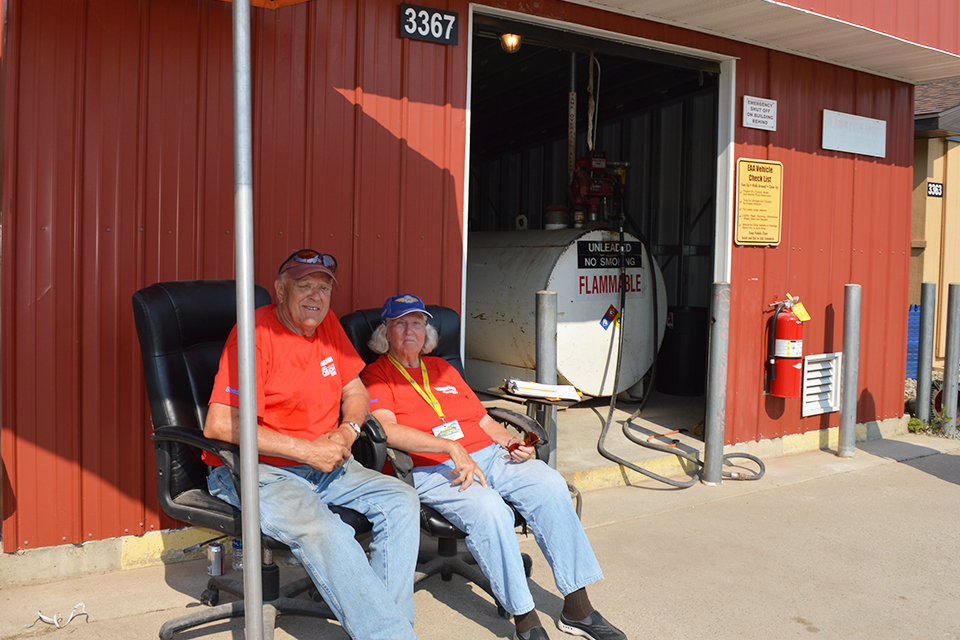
x: 784, y: 28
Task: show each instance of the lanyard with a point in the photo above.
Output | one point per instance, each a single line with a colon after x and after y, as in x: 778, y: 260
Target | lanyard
x: 424, y: 391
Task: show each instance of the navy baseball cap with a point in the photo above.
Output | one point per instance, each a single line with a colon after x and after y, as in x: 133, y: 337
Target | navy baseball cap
x: 401, y: 305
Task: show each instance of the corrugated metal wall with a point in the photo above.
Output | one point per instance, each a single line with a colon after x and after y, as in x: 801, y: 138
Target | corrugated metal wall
x: 845, y: 221
x: 934, y: 24
x: 118, y: 173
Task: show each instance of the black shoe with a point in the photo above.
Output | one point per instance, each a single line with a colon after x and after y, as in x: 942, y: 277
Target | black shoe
x: 595, y: 627
x: 535, y: 633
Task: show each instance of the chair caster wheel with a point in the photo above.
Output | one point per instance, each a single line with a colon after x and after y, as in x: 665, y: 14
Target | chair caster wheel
x: 527, y: 565
x: 502, y: 612
x: 210, y: 597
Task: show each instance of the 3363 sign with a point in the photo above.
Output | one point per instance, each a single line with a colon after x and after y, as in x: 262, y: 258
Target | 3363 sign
x: 431, y: 25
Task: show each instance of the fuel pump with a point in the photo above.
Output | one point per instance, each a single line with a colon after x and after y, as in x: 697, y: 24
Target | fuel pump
x: 595, y: 179
x: 785, y: 354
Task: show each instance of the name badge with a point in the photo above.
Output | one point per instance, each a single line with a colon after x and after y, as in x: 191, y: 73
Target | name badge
x: 449, y: 430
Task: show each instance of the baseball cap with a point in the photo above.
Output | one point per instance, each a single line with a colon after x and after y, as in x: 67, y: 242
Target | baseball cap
x: 307, y: 261
x: 401, y: 305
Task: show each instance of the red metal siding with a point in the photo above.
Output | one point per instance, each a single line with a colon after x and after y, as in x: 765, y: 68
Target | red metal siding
x: 844, y: 221
x: 934, y: 23
x: 118, y: 172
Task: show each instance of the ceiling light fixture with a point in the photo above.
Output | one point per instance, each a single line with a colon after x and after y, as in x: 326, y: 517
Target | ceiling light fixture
x: 510, y: 42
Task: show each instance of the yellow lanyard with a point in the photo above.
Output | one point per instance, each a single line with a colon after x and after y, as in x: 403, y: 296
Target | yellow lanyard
x: 424, y: 391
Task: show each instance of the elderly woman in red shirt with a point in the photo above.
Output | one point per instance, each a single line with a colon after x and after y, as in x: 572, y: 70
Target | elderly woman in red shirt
x: 466, y: 466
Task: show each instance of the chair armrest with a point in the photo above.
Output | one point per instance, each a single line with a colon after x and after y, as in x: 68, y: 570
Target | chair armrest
x: 227, y: 452
x: 370, y: 449
x: 523, y: 424
x: 373, y: 429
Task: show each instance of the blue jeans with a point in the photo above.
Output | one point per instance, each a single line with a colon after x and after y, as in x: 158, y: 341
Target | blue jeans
x: 540, y: 494
x: 371, y: 599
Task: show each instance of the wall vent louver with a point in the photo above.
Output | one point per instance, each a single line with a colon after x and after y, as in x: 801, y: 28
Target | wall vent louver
x: 821, y: 384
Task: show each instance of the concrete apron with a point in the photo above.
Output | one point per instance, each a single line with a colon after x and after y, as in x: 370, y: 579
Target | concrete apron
x: 578, y: 460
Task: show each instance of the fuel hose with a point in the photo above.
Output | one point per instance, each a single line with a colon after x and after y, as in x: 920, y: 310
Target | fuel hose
x: 601, y: 448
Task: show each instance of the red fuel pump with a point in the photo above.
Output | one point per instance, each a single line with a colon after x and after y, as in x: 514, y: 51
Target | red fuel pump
x: 786, y: 351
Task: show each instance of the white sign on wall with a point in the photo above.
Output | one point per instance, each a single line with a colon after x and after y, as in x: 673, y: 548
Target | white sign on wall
x: 854, y: 134
x: 759, y: 113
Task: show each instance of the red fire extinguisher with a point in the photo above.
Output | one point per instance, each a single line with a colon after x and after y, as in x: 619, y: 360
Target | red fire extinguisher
x: 786, y: 351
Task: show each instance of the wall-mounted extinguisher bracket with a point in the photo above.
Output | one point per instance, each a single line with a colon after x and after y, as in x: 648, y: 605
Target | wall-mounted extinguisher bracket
x: 785, y: 352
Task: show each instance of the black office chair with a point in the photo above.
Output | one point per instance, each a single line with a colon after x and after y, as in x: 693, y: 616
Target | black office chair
x: 359, y: 326
x: 182, y: 328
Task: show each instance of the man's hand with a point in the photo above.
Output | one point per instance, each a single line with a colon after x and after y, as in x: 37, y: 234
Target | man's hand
x: 465, y: 468
x: 325, y: 453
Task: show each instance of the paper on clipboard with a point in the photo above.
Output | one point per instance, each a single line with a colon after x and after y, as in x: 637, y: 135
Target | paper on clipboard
x: 537, y: 390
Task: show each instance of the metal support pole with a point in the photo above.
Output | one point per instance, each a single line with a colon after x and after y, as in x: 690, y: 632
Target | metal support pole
x: 951, y: 365
x: 716, y: 385
x: 572, y: 119
x: 547, y: 363
x: 243, y: 203
x: 928, y: 315
x: 850, y: 373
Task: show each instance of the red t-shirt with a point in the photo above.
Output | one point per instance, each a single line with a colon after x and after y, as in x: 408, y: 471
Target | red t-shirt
x: 390, y: 390
x: 299, y: 379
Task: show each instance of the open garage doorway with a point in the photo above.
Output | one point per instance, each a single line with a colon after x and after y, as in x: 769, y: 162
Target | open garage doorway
x: 653, y: 116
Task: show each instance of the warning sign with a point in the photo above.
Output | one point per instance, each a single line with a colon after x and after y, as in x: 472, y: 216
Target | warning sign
x: 759, y: 202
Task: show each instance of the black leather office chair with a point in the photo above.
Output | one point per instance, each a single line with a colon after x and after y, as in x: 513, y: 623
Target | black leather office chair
x: 182, y: 328
x: 359, y: 326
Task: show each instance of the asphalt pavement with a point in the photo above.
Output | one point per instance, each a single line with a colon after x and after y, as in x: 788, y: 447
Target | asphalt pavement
x: 821, y: 547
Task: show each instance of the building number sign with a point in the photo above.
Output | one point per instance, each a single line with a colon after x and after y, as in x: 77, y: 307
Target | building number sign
x: 935, y: 189
x: 432, y: 25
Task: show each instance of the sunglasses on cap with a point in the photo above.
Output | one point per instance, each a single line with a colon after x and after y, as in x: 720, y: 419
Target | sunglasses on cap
x: 309, y: 256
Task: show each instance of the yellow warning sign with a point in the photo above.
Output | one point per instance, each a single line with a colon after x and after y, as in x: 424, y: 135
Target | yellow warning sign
x: 759, y: 202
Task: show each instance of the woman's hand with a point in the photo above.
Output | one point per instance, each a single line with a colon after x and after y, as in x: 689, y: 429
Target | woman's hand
x: 465, y: 467
x: 521, y: 452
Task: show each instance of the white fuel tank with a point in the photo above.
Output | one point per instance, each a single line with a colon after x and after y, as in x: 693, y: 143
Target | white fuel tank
x: 505, y: 270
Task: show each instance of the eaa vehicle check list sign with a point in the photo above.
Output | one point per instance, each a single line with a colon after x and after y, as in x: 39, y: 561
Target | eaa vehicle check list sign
x: 759, y: 202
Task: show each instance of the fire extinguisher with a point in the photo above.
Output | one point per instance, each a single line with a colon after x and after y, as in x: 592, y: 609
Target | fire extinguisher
x: 786, y: 350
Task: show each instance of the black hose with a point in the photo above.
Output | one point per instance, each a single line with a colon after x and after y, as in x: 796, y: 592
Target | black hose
x: 616, y: 381
x: 680, y: 484
x: 773, y: 344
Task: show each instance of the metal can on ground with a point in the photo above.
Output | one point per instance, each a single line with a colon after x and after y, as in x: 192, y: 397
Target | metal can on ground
x: 215, y: 559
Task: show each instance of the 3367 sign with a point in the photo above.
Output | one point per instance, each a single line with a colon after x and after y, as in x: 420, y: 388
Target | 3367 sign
x: 432, y: 25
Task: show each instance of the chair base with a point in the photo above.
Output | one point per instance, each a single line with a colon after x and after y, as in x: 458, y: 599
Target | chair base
x: 283, y: 601
x: 447, y: 561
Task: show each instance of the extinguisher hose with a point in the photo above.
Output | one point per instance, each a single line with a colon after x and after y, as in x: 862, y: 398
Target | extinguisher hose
x: 601, y: 448
x: 773, y: 343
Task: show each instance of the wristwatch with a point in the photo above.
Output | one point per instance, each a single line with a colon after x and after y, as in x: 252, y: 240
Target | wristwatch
x: 355, y: 426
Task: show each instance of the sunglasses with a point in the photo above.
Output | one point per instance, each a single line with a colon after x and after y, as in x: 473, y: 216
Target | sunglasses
x: 309, y: 256
x: 529, y: 439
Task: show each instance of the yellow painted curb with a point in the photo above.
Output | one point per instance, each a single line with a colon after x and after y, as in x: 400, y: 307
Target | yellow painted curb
x: 164, y: 547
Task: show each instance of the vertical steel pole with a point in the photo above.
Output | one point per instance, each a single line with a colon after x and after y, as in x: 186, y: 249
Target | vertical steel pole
x: 572, y: 119
x: 716, y: 385
x: 928, y: 315
x: 243, y: 203
x: 547, y: 362
x: 850, y: 374
x: 951, y: 365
